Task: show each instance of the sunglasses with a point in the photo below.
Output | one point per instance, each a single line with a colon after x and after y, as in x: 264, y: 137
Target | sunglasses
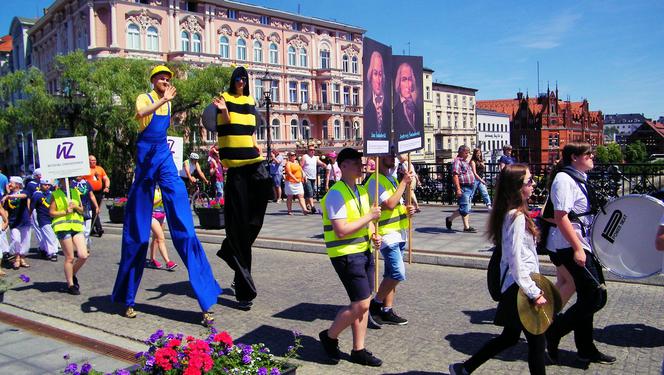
x: 240, y: 79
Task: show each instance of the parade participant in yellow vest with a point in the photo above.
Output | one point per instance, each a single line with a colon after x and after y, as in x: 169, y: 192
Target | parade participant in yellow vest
x: 248, y: 185
x: 393, y: 228
x: 347, y: 227
x: 68, y: 225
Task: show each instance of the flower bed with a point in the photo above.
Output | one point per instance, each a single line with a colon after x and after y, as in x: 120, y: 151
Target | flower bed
x: 211, y: 215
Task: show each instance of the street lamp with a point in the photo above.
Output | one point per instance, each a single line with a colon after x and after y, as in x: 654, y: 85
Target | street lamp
x: 267, y: 96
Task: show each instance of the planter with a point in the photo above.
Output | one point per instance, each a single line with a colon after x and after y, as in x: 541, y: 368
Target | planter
x: 116, y: 214
x: 211, y: 218
x: 291, y: 370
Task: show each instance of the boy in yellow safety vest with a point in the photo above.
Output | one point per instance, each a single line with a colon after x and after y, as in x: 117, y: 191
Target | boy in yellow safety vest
x: 347, y: 227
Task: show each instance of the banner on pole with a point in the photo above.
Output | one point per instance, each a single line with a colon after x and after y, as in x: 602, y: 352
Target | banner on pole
x: 176, y: 145
x: 63, y: 157
x: 377, y: 114
x: 408, y: 103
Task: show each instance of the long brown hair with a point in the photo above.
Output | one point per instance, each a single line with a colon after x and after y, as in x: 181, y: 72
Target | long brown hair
x: 570, y: 149
x: 508, y: 197
x: 479, y: 158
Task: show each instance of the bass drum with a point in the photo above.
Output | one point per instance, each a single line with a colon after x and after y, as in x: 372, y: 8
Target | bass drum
x: 623, y: 236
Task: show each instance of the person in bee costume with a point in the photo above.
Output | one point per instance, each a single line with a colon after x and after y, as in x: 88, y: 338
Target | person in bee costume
x: 154, y: 165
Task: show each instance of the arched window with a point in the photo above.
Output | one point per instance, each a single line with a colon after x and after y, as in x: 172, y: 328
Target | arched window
x: 258, y: 52
x: 303, y: 57
x: 293, y: 129
x: 344, y: 63
x: 223, y: 47
x: 276, y: 129
x: 274, y: 54
x: 325, y: 59
x: 291, y: 56
x: 306, y: 130
x: 133, y: 37
x: 260, y: 132
x: 153, y: 39
x: 347, y: 132
x: 358, y: 133
x: 241, y: 49
x: 337, y: 129
x: 196, y: 43
x: 353, y: 64
x: 184, y: 38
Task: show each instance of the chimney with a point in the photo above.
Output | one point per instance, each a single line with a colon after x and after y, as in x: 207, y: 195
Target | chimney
x: 519, y: 95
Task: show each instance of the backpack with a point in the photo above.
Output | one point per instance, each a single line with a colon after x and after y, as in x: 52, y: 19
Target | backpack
x: 494, y: 279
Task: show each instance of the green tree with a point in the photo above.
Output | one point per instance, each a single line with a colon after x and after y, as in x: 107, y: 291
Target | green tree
x: 636, y: 152
x: 609, y: 153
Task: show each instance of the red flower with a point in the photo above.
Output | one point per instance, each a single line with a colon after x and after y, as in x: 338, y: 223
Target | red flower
x: 164, y: 356
x: 224, y: 338
x: 173, y: 343
x: 190, y: 338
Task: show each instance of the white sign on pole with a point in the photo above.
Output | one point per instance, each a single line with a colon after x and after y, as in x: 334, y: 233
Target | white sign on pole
x: 63, y: 157
x: 176, y: 145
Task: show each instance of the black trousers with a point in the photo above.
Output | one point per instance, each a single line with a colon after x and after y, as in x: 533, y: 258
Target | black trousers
x: 96, y: 222
x: 510, y: 337
x: 246, y: 192
x: 590, y: 298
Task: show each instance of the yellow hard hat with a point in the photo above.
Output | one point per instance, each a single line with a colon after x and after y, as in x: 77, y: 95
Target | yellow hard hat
x: 160, y: 69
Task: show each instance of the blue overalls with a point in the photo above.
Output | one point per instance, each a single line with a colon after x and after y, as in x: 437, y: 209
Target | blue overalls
x: 155, y: 165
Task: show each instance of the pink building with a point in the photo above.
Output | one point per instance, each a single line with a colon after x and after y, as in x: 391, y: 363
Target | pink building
x: 315, y: 64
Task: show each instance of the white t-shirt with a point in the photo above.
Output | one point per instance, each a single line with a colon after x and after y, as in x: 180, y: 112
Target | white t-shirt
x: 566, y: 195
x: 519, y: 254
x: 335, y: 172
x: 192, y: 170
x: 383, y: 195
x: 309, y: 164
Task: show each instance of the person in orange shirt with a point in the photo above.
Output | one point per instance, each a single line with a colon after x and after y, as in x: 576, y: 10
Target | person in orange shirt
x: 101, y: 184
x: 294, y: 187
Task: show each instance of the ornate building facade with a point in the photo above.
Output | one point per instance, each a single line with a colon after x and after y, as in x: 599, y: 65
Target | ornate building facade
x: 455, y: 122
x: 314, y: 63
x: 493, y: 132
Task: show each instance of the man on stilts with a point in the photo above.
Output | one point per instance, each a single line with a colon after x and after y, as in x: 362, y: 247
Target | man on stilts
x: 154, y: 165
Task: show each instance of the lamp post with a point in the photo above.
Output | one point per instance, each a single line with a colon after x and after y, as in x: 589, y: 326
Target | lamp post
x: 267, y: 96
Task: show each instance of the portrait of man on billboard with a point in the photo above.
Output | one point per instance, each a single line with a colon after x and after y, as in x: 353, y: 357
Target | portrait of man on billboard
x: 377, y: 97
x: 408, y: 103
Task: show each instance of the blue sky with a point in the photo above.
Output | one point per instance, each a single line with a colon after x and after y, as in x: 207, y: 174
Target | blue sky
x: 610, y: 52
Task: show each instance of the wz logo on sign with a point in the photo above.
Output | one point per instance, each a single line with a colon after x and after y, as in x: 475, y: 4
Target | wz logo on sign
x: 63, y: 151
x: 171, y: 143
x: 613, y: 226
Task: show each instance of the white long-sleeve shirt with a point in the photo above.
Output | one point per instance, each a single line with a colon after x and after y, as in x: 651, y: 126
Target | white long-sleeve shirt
x: 519, y: 254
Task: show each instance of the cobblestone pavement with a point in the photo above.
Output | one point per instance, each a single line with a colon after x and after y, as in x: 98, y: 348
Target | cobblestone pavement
x: 448, y: 308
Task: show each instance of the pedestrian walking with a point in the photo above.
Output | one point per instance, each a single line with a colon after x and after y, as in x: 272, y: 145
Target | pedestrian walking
x: 511, y: 227
x: 155, y: 165
x: 32, y: 185
x: 479, y: 170
x: 463, y: 181
x: 347, y: 229
x: 294, y: 184
x: 277, y: 174
x: 158, y: 237
x: 101, y: 185
x: 216, y: 171
x: 90, y: 206
x: 41, y: 203
x: 506, y: 158
x: 310, y: 163
x: 16, y: 204
x: 332, y: 171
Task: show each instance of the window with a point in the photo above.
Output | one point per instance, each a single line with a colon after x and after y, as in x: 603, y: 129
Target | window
x: 344, y: 63
x: 429, y: 118
x: 133, y: 37
x: 438, y: 121
x: 303, y: 57
x: 258, y: 52
x: 306, y: 130
x: 184, y: 37
x: 456, y: 121
x: 337, y: 129
x: 292, y: 92
x: 232, y: 14
x: 448, y: 100
x: 274, y: 89
x: 265, y: 20
x: 297, y: 26
x: 463, y: 102
x: 472, y: 104
x: 153, y: 39
x: 260, y: 132
x: 346, y: 95
x: 304, y: 92
x: 291, y: 56
x: 464, y: 122
x: 347, y: 133
x: 293, y: 129
x: 196, y: 43
x: 325, y: 131
x: 356, y: 96
x: 276, y: 129
x: 456, y: 103
x: 325, y: 59
x: 274, y: 54
x: 358, y: 131
x: 353, y: 64
x: 429, y: 145
x: 428, y: 93
x: 449, y: 121
x: 438, y: 100
x: 223, y: 47
x: 323, y: 93
x: 258, y: 89
x: 241, y: 49
x: 336, y: 92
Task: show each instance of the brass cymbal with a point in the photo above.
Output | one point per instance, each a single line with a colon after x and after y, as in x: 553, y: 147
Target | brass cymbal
x: 537, y: 319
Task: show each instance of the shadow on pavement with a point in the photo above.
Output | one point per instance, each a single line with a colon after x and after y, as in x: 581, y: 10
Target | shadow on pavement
x: 414, y: 373
x: 278, y: 340
x: 45, y: 287
x: 631, y: 335
x: 308, y: 312
x: 432, y: 230
x: 482, y: 316
x: 103, y: 304
x: 280, y: 213
x: 182, y: 288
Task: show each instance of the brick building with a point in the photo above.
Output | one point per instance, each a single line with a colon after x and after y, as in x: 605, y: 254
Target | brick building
x: 651, y: 134
x: 540, y: 127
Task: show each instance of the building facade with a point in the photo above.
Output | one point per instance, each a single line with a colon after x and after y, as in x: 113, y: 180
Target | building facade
x: 651, y: 134
x: 314, y: 63
x: 426, y: 154
x: 541, y: 126
x: 455, y: 121
x: 618, y: 127
x: 493, y: 132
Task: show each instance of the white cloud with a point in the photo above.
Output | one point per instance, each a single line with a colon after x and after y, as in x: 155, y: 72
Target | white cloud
x: 547, y: 34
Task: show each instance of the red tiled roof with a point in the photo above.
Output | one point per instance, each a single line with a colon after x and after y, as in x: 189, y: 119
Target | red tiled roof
x: 511, y: 106
x: 6, y: 43
x: 656, y: 126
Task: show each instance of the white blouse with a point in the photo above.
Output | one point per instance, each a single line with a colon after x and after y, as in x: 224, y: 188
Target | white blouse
x: 519, y: 254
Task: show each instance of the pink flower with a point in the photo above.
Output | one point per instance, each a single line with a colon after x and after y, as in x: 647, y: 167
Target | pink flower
x: 224, y: 338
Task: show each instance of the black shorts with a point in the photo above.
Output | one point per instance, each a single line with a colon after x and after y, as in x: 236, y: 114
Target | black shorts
x: 555, y: 259
x: 309, y: 188
x: 356, y: 272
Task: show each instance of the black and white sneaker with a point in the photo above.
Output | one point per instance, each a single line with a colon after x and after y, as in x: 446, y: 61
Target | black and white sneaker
x: 364, y: 357
x: 390, y: 317
x: 375, y: 311
x: 331, y: 347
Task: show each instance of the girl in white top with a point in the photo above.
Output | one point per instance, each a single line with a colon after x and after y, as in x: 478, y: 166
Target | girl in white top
x: 511, y: 226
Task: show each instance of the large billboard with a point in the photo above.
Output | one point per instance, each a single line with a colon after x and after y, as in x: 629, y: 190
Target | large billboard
x: 408, y: 103
x: 376, y: 59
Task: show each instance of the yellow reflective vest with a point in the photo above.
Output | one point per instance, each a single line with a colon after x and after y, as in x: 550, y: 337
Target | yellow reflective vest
x: 357, y: 242
x: 236, y: 143
x: 70, y: 222
x: 390, y: 220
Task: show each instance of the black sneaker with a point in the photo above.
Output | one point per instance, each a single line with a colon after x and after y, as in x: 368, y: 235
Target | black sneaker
x: 313, y: 210
x: 53, y: 258
x: 364, y: 357
x: 375, y: 313
x: 457, y: 369
x: 331, y: 346
x: 244, y: 305
x: 448, y: 223
x: 470, y: 230
x: 390, y: 317
x: 599, y: 357
x: 73, y: 290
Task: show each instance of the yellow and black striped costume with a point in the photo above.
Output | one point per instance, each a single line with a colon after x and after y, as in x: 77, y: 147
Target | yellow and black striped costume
x: 236, y: 144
